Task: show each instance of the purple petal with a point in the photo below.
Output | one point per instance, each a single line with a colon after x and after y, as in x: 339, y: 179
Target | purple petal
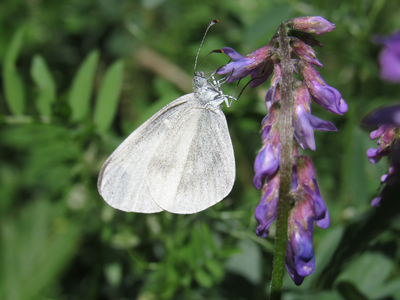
x: 376, y: 201
x: 303, y: 127
x: 302, y: 250
x: 343, y: 107
x: 265, y: 132
x: 375, y: 155
x: 237, y: 70
x: 322, y: 218
x: 262, y: 73
x: 301, y: 140
x: 265, y: 212
x: 389, y: 62
x: 289, y: 263
x: 377, y: 133
x: 321, y: 125
x: 266, y: 164
x: 386, y: 115
x: 268, y: 98
x: 328, y: 97
x: 235, y: 56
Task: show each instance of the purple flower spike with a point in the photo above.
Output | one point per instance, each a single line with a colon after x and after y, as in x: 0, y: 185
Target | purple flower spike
x: 389, y: 58
x: 242, y: 66
x: 265, y: 212
x: 317, y: 25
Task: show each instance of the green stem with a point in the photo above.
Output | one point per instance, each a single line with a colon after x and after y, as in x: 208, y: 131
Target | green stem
x: 285, y: 168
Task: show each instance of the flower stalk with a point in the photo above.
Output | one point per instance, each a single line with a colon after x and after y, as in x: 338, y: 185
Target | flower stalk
x: 285, y: 170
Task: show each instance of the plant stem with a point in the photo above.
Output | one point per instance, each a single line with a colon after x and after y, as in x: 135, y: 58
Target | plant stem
x: 285, y: 168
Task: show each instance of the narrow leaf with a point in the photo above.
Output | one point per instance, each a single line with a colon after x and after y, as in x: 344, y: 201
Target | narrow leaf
x: 81, y: 90
x: 46, y: 87
x: 13, y: 85
x: 107, y: 100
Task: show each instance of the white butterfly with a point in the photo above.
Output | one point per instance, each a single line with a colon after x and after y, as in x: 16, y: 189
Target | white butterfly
x: 180, y: 160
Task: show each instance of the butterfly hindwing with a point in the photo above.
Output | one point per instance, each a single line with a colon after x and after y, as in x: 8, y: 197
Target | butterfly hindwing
x: 193, y: 167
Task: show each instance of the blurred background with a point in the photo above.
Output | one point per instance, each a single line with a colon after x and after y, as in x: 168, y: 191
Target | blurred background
x: 77, y: 77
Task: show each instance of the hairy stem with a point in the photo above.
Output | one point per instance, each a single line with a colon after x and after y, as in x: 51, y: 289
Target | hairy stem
x: 285, y: 168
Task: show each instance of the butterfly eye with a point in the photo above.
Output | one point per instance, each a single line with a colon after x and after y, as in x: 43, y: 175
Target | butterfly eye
x: 199, y: 81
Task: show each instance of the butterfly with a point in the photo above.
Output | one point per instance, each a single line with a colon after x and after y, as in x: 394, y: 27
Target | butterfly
x: 180, y: 160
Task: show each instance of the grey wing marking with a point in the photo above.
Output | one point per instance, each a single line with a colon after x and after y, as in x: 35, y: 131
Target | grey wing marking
x: 122, y: 179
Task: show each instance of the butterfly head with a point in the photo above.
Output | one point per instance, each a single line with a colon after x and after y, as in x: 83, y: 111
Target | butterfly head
x: 199, y: 80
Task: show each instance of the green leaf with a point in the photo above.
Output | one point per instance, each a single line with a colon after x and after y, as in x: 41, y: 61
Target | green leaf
x: 81, y: 90
x: 207, y: 237
x: 215, y: 268
x: 113, y: 274
x: 46, y: 86
x: 378, y: 266
x: 248, y: 262
x: 349, y: 291
x: 35, y: 248
x: 107, y: 100
x: 311, y: 295
x: 13, y: 85
x: 203, y: 278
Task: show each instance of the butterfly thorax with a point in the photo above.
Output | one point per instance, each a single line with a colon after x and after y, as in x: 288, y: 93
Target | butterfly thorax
x: 207, y: 93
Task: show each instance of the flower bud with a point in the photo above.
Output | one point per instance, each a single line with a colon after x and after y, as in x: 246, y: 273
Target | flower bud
x: 304, y: 51
x: 326, y: 96
x: 317, y: 25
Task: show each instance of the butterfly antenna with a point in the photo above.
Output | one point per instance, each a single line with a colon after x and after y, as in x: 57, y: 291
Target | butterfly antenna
x: 214, y: 51
x: 198, y: 52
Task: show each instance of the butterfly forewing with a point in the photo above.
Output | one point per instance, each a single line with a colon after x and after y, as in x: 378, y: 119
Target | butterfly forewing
x: 122, y: 181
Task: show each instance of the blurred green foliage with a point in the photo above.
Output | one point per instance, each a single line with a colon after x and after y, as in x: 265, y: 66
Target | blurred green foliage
x: 73, y: 87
